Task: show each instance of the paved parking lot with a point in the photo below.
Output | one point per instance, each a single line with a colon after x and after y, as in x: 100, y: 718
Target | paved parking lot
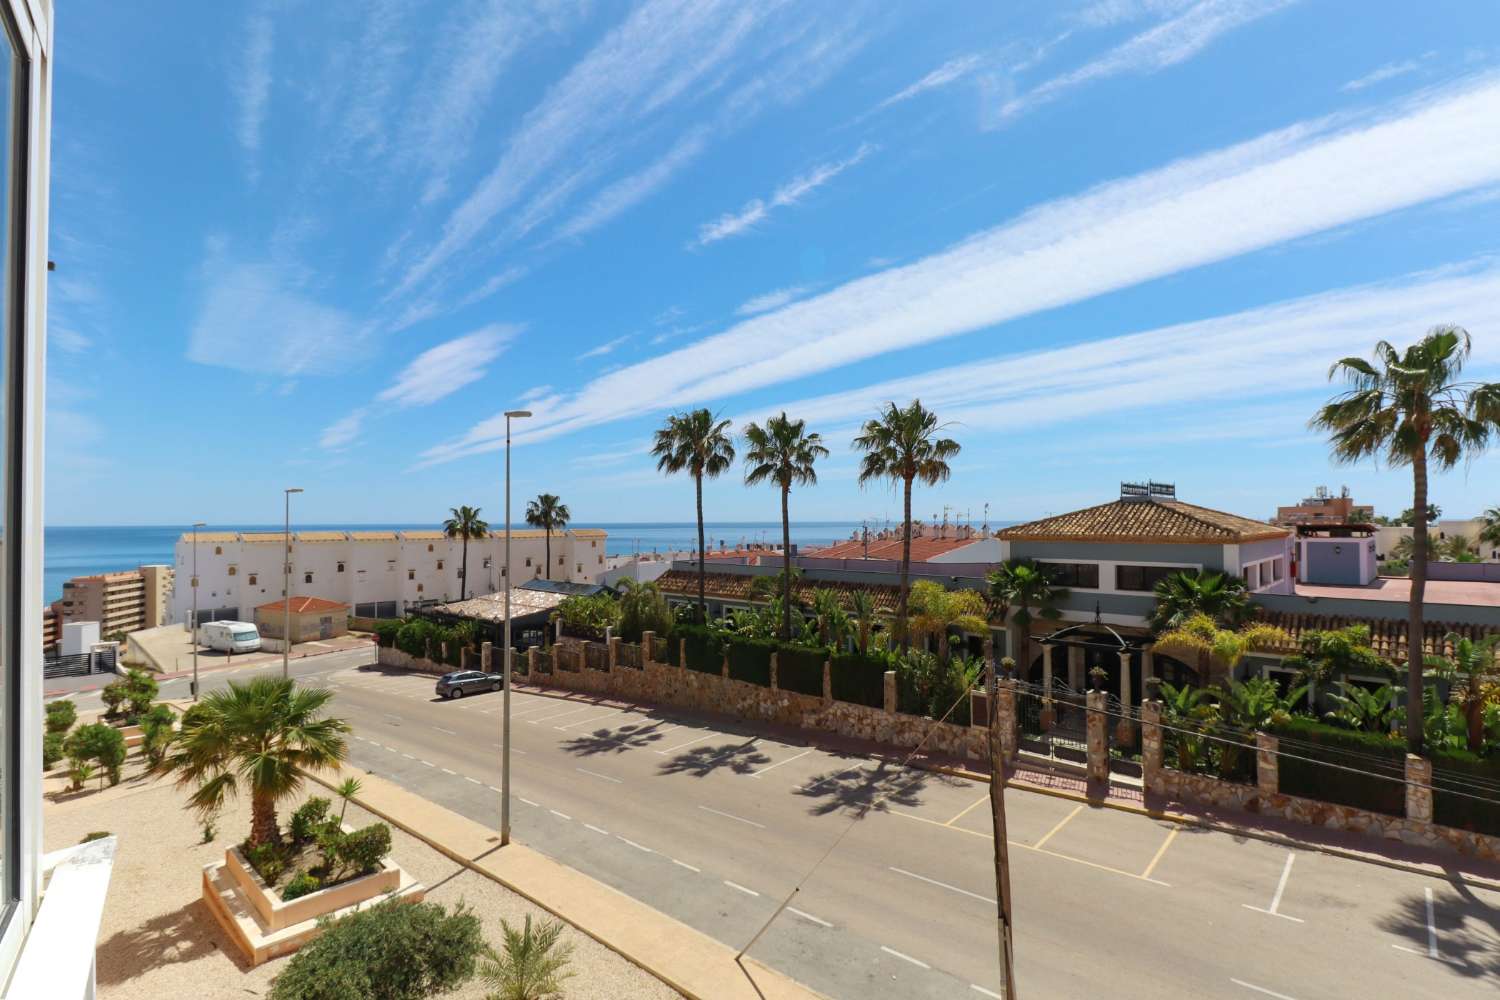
x: 715, y: 823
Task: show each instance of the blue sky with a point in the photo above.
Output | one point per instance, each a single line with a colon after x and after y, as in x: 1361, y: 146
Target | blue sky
x: 327, y: 244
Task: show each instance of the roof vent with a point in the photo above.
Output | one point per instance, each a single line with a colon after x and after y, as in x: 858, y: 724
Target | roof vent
x: 1148, y: 491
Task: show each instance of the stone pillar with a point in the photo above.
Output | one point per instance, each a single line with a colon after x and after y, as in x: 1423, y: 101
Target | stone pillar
x: 614, y: 653
x: 890, y: 691
x: 827, y: 682
x: 775, y: 680
x: 1098, y: 765
x: 531, y: 663
x: 1151, y: 747
x: 989, y: 663
x: 1267, y: 775
x: 682, y: 652
x: 1075, y: 667
x: 1005, y: 718
x: 724, y: 665
x: 1418, y: 789
x: 487, y: 657
x: 1049, y: 714
x: 1148, y: 668
x: 1125, y: 729
x: 648, y: 646
x: 426, y: 649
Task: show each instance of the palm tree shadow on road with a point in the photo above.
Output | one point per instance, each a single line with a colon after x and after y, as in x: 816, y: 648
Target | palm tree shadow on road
x: 741, y: 758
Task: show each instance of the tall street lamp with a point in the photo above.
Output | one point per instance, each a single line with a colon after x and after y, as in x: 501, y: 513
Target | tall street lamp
x: 505, y: 736
x: 196, y: 526
x: 286, y: 587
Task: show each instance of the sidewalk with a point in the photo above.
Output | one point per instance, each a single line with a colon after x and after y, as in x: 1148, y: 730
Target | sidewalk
x: 209, y: 663
x: 685, y: 959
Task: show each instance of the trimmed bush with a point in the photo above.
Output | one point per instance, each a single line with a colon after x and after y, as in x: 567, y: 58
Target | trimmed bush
x: 800, y: 668
x: 1348, y: 749
x: 101, y: 743
x: 1458, y: 769
x: 52, y: 749
x: 386, y: 631
x: 61, y: 715
x: 308, y: 817
x: 140, y: 691
x: 301, y: 885
x: 668, y: 650
x: 859, y: 680
x: 705, y: 650
x: 362, y: 851
x: 392, y: 951
x: 750, y: 660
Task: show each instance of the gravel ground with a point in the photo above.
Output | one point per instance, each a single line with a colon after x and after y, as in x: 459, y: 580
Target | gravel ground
x: 158, y: 939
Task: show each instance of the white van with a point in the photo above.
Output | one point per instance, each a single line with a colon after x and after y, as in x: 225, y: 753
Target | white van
x: 229, y: 637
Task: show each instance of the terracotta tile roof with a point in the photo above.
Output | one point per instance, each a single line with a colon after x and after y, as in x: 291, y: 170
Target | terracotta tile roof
x: 1387, y: 636
x: 304, y: 605
x: 211, y: 536
x: 523, y: 533
x: 1152, y: 521
x: 373, y: 536
x: 922, y: 549
x: 261, y: 536
x: 321, y: 536
x: 588, y: 532
x: 423, y: 534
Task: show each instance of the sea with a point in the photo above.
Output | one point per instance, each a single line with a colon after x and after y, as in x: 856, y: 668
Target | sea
x: 80, y: 551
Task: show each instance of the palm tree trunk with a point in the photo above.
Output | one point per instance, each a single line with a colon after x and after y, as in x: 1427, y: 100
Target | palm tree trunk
x: 463, y: 569
x: 547, y: 552
x: 702, y: 556
x: 905, y: 565
x: 263, y: 820
x: 786, y: 566
x: 1414, y: 622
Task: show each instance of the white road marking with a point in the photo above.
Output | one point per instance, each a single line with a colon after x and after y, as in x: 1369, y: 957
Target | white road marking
x: 408, y: 756
x: 905, y: 958
x: 944, y: 885
x: 823, y: 781
x: 596, y: 774
x: 736, y: 885
x: 981, y: 990
x: 475, y: 780
x: 689, y: 743
x: 1260, y: 989
x: 638, y: 847
x: 737, y: 819
x: 494, y: 789
x: 560, y: 715
x: 429, y: 763
x: 772, y: 767
x: 808, y: 916
x: 1432, y: 949
x: 442, y: 730
x: 446, y: 771
x: 526, y: 800
x: 556, y: 813
x: 597, y: 829
x: 1280, y: 888
x: 586, y: 722
x: 684, y: 864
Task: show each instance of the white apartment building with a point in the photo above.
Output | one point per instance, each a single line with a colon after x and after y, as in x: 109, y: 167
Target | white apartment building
x: 377, y: 573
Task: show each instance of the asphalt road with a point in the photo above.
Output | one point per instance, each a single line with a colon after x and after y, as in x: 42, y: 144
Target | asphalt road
x: 714, y: 825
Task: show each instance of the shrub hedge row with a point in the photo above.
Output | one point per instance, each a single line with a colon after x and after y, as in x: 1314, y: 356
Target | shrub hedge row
x: 705, y: 651
x: 859, y: 679
x: 1457, y: 769
x: 750, y: 660
x: 800, y: 668
x: 1344, y: 748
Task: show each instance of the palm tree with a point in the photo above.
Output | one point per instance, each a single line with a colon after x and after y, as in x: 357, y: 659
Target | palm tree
x: 937, y: 609
x: 1476, y: 664
x: 465, y: 523
x: 257, y: 737
x: 783, y: 453
x: 532, y: 966
x: 697, y: 443
x: 863, y: 607
x: 1409, y: 408
x: 549, y: 513
x: 1024, y: 585
x: 825, y: 606
x: 642, y: 609
x: 1489, y: 534
x: 1216, y: 646
x: 1182, y: 595
x: 902, y: 445
x: 1459, y: 548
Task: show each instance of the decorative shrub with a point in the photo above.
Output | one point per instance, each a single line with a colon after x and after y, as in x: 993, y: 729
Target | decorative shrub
x: 1345, y: 748
x: 587, y: 617
x: 750, y: 660
x: 61, y: 715
x: 114, y: 697
x: 667, y: 649
x: 308, y: 817
x: 704, y: 648
x: 101, y: 743
x: 362, y: 851
x: 140, y: 691
x: 859, y: 679
x: 268, y: 860
x: 1456, y: 770
x: 532, y: 965
x: 156, y: 729
x: 386, y: 631
x: 392, y: 951
x: 52, y: 749
x: 301, y: 885
x: 800, y: 668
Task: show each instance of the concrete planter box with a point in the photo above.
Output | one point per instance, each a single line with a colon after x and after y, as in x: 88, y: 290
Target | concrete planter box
x: 276, y: 913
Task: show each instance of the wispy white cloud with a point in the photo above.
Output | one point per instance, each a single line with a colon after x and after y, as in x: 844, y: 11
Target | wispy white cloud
x: 432, y: 306
x: 1167, y: 44
x: 252, y: 86
x: 793, y: 191
x: 535, y: 392
x: 772, y: 300
x: 1387, y: 72
x: 493, y: 284
x: 629, y: 191
x: 1282, y: 186
x: 1107, y: 13
x: 443, y: 370
x: 344, y: 431
x: 954, y: 69
x: 607, y: 347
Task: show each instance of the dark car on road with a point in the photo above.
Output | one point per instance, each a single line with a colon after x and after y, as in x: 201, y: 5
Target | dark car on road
x: 462, y: 682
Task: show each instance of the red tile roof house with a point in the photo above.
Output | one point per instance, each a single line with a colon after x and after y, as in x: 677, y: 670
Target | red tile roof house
x: 311, y: 618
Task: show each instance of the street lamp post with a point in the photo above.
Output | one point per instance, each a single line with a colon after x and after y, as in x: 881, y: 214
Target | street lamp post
x: 286, y: 586
x: 196, y: 526
x: 505, y: 736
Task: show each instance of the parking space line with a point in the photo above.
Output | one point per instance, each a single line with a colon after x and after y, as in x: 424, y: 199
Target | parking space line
x: 984, y: 992
x: 772, y: 767
x: 597, y: 829
x: 1060, y: 824
x: 559, y: 815
x: 560, y: 715
x: 1260, y: 989
x: 596, y: 774
x: 966, y: 810
x: 905, y: 958
x: 442, y: 730
x: 1432, y: 948
x: 587, y: 722
x: 638, y: 847
x: 737, y: 819
x: 700, y: 739
x: 736, y: 885
x: 944, y: 885
x: 1161, y: 851
x: 1281, y: 888
x: 808, y: 916
x: 684, y: 864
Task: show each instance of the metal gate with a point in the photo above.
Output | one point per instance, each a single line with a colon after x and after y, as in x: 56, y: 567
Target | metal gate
x: 1066, y: 738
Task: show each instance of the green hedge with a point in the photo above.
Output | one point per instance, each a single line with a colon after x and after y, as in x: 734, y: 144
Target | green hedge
x: 750, y: 660
x: 704, y: 648
x: 1344, y: 747
x: 1458, y: 769
x: 859, y: 679
x: 667, y: 650
x: 800, y: 668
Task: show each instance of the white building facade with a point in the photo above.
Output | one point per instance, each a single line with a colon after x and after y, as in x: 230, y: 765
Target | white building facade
x: 379, y: 574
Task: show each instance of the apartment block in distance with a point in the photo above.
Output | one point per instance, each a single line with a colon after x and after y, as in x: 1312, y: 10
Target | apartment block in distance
x: 125, y: 601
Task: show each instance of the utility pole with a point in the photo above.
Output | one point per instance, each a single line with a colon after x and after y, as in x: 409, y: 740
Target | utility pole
x: 505, y: 734
x: 194, y: 633
x: 286, y: 586
x: 1002, y: 851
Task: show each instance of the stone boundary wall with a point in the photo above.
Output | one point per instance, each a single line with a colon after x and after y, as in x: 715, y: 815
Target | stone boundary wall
x: 389, y: 657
